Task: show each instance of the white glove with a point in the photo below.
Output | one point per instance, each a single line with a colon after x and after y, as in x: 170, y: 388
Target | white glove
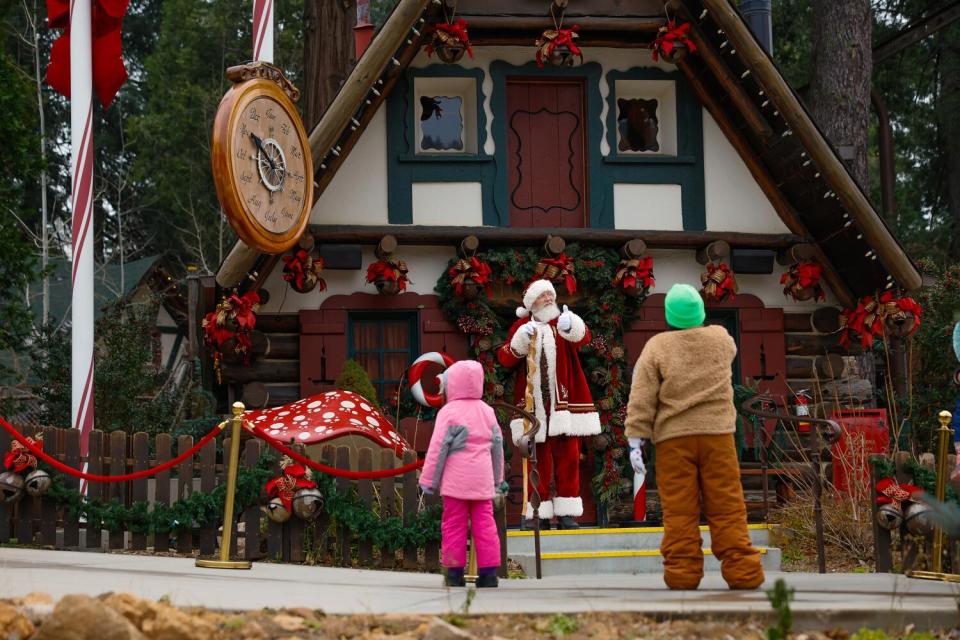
x: 636, y: 455
x: 530, y: 328
x: 565, y: 321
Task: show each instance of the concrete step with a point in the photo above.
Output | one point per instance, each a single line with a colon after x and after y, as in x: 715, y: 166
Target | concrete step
x: 624, y: 539
x: 620, y: 562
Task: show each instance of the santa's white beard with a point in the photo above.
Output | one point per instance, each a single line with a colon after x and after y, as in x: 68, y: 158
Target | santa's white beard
x: 546, y: 313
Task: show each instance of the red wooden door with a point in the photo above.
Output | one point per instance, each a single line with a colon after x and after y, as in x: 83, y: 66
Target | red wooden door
x: 546, y: 150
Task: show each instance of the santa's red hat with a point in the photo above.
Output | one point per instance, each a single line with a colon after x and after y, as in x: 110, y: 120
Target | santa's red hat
x: 534, y: 290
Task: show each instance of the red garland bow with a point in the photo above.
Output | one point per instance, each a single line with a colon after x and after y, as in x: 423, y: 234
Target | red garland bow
x: 394, y: 271
x: 450, y: 33
x: 718, y: 282
x: 303, y: 271
x: 669, y: 37
x: 474, y: 269
x: 868, y: 318
x: 284, y: 486
x: 632, y: 272
x: 893, y: 493
x: 19, y: 457
x: 557, y: 268
x: 803, y: 275
x: 109, y: 72
x: 553, y: 38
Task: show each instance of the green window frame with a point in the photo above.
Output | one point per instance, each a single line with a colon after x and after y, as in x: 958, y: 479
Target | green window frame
x: 380, y: 381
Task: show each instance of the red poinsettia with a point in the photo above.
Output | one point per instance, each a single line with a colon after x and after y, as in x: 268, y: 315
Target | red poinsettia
x: 718, y: 282
x: 303, y: 271
x: 553, y: 38
x: 293, y: 478
x: 450, y: 33
x: 390, y: 270
x: 19, y: 457
x: 559, y: 269
x: 636, y: 272
x: 473, y: 269
x: 802, y: 281
x: 670, y: 38
x: 235, y: 317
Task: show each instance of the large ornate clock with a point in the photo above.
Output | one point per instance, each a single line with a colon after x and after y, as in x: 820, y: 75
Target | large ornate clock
x: 262, y: 167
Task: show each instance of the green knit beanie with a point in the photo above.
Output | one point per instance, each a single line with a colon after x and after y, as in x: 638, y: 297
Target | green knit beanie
x: 684, y: 307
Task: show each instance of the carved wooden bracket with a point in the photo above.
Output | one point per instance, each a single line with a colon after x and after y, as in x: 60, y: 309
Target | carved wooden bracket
x: 554, y: 246
x: 468, y: 247
x: 803, y: 252
x: 825, y: 320
x: 713, y: 252
x: 633, y: 249
x: 386, y: 247
x: 265, y: 70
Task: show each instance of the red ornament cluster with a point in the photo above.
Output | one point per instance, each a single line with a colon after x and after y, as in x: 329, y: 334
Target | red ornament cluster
x: 718, y: 283
x: 635, y: 276
x: 228, y: 327
x: 466, y: 271
x: 557, y: 47
x: 450, y: 40
x: 559, y: 270
x: 19, y: 458
x: 389, y: 275
x: 284, y: 486
x: 303, y: 271
x: 877, y: 316
x: 671, y: 41
x: 802, y: 281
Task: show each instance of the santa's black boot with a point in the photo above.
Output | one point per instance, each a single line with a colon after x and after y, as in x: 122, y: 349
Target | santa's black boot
x: 567, y: 522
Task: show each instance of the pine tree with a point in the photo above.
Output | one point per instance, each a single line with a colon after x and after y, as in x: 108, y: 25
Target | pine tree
x: 354, y: 378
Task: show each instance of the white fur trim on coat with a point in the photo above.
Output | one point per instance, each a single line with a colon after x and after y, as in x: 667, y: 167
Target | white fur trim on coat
x: 567, y: 506
x: 578, y: 329
x: 575, y: 424
x: 545, y: 512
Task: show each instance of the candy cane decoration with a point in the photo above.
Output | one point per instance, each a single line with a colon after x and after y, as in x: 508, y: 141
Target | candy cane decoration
x: 434, y: 400
x: 263, y: 30
x: 81, y: 174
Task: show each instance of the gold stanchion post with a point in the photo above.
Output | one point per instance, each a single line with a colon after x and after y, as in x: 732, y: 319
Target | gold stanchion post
x: 225, y: 541
x: 943, y: 450
x: 472, y: 571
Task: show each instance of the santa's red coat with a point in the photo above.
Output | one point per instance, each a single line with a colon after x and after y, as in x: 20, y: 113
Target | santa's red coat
x: 572, y: 411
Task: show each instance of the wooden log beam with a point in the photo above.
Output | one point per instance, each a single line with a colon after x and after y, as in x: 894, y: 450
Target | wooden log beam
x: 263, y: 371
x: 779, y: 202
x: 894, y: 259
x: 367, y: 71
x: 644, y: 25
x: 603, y: 39
x: 429, y: 235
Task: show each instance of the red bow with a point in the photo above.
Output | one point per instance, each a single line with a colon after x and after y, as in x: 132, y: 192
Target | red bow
x: 718, y: 282
x: 893, y: 493
x: 867, y: 319
x: 803, y: 275
x: 551, y: 39
x: 109, y: 73
x: 554, y: 268
x: 473, y: 269
x: 19, y: 457
x: 630, y: 272
x: 243, y: 310
x: 389, y: 270
x: 293, y: 478
x: 455, y: 31
x: 668, y: 38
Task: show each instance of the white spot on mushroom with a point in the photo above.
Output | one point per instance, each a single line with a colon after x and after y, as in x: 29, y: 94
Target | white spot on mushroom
x: 365, y: 406
x: 303, y: 436
x: 298, y: 418
x: 373, y: 421
x: 277, y: 425
x: 329, y: 415
x: 346, y: 404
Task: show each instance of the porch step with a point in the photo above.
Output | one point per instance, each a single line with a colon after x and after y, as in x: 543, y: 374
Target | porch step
x: 630, y: 551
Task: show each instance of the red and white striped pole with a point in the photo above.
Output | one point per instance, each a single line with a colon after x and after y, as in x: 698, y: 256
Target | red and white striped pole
x: 263, y: 30
x: 81, y: 172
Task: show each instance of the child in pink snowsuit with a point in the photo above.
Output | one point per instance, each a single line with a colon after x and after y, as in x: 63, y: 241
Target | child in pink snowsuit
x: 465, y: 463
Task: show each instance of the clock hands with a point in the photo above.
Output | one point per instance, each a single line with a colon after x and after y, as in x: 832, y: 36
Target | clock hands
x: 259, y: 143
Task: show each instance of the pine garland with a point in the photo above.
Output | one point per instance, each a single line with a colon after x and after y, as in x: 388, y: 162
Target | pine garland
x: 604, y: 361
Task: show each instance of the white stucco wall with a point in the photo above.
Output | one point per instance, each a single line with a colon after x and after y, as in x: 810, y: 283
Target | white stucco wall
x: 648, y: 206
x: 448, y: 204
x: 734, y: 200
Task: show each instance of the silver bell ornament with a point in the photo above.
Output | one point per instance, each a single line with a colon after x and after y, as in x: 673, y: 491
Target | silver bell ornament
x: 277, y: 512
x: 890, y: 516
x: 37, y: 482
x: 307, y: 503
x: 917, y: 519
x: 11, y: 486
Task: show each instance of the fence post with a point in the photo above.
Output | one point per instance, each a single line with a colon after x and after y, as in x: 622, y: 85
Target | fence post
x: 275, y: 530
x: 365, y: 491
x: 161, y: 538
x: 207, y: 537
x: 141, y: 461
x: 344, y: 486
x: 94, y: 489
x: 432, y: 550
x: 118, y: 490
x: 71, y: 525
x: 388, y: 557
x: 6, y: 512
x: 251, y: 517
x: 26, y: 507
x: 48, y: 511
x: 296, y: 527
x: 882, y: 539
x: 410, y: 504
x: 184, y: 490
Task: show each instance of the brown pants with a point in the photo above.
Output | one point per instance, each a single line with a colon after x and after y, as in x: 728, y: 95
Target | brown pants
x: 691, y: 469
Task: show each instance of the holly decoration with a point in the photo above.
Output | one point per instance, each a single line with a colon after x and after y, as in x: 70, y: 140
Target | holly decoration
x: 303, y: 272
x: 389, y: 275
x: 635, y: 276
x: 228, y: 327
x: 469, y: 272
x: 673, y: 42
x: 802, y: 281
x: 450, y: 41
x: 718, y: 283
x: 557, y: 47
x: 557, y: 270
x: 874, y: 316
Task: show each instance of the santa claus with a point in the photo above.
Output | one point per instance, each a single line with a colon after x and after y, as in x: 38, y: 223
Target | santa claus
x: 561, y: 399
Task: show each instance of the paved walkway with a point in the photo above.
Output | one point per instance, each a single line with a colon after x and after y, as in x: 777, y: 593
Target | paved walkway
x: 849, y: 600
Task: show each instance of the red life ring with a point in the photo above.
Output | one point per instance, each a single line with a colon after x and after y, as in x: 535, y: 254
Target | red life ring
x: 434, y: 400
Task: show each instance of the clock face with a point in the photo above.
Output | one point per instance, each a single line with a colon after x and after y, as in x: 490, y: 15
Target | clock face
x: 268, y: 164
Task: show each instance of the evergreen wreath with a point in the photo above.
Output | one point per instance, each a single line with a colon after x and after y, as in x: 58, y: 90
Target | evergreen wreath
x: 603, y: 359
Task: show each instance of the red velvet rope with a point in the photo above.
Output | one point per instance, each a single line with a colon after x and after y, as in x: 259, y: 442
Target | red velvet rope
x: 343, y: 473
x: 56, y: 464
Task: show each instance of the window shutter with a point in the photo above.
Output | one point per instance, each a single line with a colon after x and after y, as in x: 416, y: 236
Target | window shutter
x: 323, y: 349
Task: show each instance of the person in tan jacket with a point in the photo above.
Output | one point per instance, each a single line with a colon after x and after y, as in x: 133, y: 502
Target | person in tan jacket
x: 681, y: 398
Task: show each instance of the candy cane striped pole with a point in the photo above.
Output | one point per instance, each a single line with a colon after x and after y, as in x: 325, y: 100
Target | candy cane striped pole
x: 263, y: 30
x: 81, y: 172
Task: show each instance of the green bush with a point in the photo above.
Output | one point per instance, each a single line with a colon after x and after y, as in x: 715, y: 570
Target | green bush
x: 354, y: 378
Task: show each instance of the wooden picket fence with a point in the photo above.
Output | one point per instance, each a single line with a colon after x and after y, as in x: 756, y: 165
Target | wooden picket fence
x: 38, y: 521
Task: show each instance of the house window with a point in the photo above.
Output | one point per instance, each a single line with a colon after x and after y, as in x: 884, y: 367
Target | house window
x: 384, y: 345
x: 646, y: 117
x: 446, y: 115
x: 728, y: 319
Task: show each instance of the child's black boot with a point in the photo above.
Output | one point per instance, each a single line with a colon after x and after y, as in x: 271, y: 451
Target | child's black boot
x: 455, y: 577
x: 487, y: 577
